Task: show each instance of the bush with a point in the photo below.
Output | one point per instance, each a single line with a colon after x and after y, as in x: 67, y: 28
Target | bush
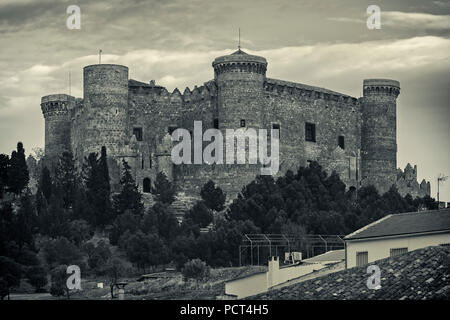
x: 37, y: 277
x: 58, y: 279
x: 195, y: 269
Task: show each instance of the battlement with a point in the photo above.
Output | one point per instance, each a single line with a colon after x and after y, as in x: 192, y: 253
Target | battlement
x: 407, y: 182
x: 203, y: 92
x: 57, y: 104
x: 133, y: 119
x: 381, y: 87
x: 240, y: 61
x: 288, y: 88
x: 57, y: 98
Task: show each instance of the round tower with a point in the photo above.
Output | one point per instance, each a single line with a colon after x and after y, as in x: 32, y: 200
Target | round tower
x: 56, y: 109
x: 240, y: 79
x: 105, y: 101
x: 378, y: 133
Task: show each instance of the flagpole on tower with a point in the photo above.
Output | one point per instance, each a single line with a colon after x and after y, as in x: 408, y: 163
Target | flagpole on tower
x: 100, y: 56
x: 239, y: 44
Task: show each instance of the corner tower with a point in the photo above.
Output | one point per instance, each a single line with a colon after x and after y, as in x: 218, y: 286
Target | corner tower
x: 240, y: 79
x: 378, y: 133
x: 106, y: 103
x: 56, y: 109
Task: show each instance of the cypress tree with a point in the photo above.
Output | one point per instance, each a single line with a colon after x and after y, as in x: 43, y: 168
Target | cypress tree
x: 4, y: 163
x: 45, y: 183
x: 129, y: 197
x: 18, y: 175
x: 66, y: 179
x: 98, y: 189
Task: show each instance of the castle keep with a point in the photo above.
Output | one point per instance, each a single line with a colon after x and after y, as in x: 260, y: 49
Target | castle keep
x: 356, y: 137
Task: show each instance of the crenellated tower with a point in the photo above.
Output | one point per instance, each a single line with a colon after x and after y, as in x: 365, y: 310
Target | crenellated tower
x: 240, y: 79
x: 106, y: 103
x: 378, y: 133
x: 56, y: 109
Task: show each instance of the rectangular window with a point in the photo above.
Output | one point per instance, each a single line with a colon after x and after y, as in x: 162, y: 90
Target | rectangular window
x: 171, y: 129
x: 398, y: 251
x: 216, y: 123
x: 142, y: 164
x: 242, y: 123
x: 341, y: 142
x: 138, y: 133
x: 276, y: 126
x: 150, y: 161
x: 362, y: 258
x: 310, y: 132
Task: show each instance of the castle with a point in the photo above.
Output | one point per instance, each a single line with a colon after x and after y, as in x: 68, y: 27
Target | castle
x: 356, y: 137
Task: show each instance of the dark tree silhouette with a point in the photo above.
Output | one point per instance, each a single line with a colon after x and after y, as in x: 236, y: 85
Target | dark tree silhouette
x: 18, y: 175
x: 213, y: 196
x: 67, y: 181
x: 95, y: 174
x: 129, y: 197
x: 164, y: 190
x: 45, y: 183
x: 4, y: 163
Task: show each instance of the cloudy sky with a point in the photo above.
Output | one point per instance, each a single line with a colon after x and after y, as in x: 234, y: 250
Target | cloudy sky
x: 318, y: 42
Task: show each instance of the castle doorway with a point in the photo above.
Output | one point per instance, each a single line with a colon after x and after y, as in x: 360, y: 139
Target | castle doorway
x: 147, y: 185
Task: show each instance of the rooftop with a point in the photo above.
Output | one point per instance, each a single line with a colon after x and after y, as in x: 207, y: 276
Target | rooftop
x: 333, y: 255
x: 405, y: 224
x: 419, y: 274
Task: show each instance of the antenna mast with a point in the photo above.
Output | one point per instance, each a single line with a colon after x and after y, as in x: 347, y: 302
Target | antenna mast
x: 440, y: 178
x: 239, y: 44
x: 100, y: 56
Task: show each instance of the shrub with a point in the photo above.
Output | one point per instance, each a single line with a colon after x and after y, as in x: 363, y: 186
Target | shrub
x: 195, y: 269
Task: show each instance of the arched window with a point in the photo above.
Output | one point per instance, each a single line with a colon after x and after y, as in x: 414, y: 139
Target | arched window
x: 147, y: 185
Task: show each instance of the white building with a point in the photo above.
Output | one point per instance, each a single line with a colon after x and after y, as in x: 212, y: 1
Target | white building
x: 396, y: 234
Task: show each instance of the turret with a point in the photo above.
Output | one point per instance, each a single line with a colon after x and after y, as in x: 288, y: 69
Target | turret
x: 56, y: 109
x: 378, y: 133
x: 240, y: 78
x: 105, y: 101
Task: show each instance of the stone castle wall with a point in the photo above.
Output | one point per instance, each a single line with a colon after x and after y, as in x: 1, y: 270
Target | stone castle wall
x: 133, y: 120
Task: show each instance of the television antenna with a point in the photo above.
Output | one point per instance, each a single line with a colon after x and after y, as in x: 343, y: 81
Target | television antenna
x: 440, y: 178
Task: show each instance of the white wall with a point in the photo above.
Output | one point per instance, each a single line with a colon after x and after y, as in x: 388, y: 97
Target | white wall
x: 262, y: 282
x: 380, y: 248
x: 247, y: 286
x: 287, y: 274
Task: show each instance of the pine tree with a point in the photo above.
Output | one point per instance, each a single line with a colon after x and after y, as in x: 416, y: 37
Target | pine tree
x: 95, y: 172
x: 45, y: 183
x: 129, y: 197
x: 213, y: 196
x: 66, y: 179
x: 104, y: 172
x: 25, y: 221
x: 164, y: 189
x: 200, y: 214
x: 18, y: 175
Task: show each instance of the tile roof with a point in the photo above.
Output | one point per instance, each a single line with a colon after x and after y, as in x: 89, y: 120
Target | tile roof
x: 420, y: 274
x: 405, y: 223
